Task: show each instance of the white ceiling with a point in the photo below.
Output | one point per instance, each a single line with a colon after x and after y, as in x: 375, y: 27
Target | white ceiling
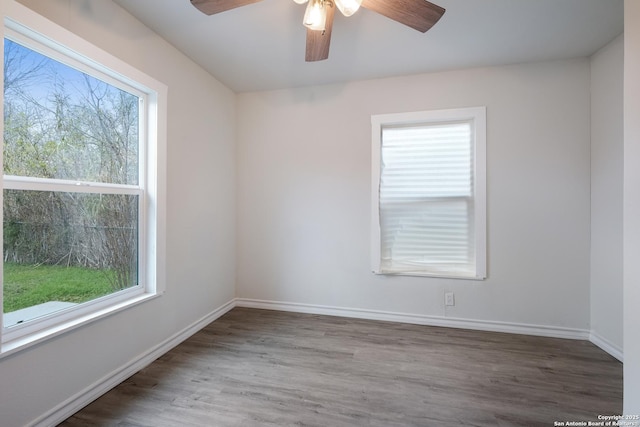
x: 261, y: 46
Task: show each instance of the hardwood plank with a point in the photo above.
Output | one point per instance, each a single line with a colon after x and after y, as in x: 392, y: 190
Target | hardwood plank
x: 258, y: 367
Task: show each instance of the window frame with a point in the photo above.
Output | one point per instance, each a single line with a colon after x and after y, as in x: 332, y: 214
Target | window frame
x: 477, y: 117
x: 26, y: 27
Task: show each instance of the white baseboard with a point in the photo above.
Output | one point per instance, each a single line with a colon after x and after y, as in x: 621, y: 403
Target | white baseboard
x: 419, y: 319
x: 606, y: 345
x: 72, y: 405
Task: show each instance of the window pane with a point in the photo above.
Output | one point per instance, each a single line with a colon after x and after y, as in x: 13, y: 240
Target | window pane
x: 427, y: 161
x: 435, y: 235
x: 426, y: 199
x: 61, y: 249
x: 61, y: 123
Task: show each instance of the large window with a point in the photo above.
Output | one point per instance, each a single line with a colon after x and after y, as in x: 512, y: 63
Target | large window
x: 428, y: 193
x: 82, y: 180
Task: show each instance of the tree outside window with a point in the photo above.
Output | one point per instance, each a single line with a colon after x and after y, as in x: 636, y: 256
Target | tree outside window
x: 72, y: 185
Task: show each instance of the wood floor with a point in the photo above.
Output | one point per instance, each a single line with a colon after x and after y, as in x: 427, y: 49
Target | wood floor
x: 268, y: 368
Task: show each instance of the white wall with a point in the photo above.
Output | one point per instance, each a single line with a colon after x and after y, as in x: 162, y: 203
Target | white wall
x: 200, y: 216
x: 304, y: 187
x: 606, y: 193
x: 631, y: 212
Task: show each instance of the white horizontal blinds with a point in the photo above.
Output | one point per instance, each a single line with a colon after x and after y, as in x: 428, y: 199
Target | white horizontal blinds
x: 426, y: 199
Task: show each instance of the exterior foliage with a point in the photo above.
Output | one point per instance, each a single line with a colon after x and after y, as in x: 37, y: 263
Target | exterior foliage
x: 63, y: 124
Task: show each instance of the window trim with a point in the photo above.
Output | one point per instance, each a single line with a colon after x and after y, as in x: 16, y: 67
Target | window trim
x: 22, y: 24
x: 477, y: 116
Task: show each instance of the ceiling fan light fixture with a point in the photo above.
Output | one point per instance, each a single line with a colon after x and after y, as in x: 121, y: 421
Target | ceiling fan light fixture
x: 315, y: 17
x: 319, y: 14
x: 348, y: 7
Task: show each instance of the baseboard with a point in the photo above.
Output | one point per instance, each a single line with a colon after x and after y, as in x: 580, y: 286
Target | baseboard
x: 100, y: 387
x: 419, y: 319
x: 606, y: 345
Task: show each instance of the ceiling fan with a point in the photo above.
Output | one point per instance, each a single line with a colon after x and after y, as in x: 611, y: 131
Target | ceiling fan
x: 318, y: 18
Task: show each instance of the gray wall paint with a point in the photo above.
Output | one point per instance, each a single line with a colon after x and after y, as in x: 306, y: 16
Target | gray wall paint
x: 606, y: 192
x: 631, y: 210
x: 304, y: 194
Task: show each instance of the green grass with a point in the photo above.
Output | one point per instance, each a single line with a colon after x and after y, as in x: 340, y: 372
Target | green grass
x: 28, y: 285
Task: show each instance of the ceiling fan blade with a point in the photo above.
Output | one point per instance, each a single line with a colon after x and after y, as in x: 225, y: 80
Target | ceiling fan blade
x: 211, y: 7
x: 318, y: 41
x: 418, y: 14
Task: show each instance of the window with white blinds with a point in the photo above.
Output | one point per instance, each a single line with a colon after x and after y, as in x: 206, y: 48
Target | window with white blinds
x: 429, y: 193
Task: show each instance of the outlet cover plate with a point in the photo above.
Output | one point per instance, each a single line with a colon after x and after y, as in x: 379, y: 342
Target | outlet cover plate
x: 449, y: 299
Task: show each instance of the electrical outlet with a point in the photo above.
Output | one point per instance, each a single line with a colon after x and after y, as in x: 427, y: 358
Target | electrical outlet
x: 449, y: 299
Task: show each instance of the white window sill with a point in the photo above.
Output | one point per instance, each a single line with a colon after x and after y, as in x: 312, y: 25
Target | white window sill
x: 13, y: 346
x: 434, y: 275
